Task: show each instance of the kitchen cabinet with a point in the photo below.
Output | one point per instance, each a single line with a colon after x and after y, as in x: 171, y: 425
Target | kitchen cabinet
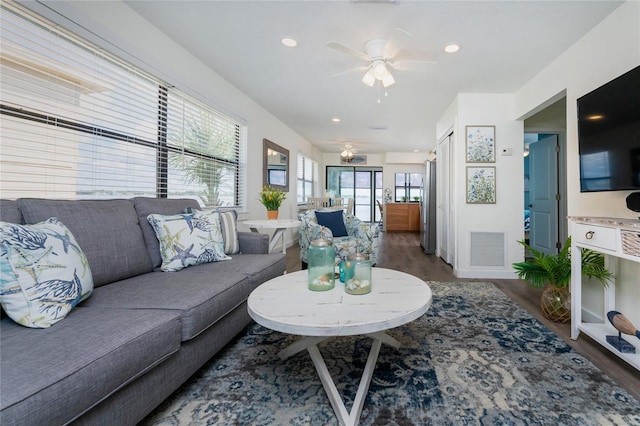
x: 401, y: 217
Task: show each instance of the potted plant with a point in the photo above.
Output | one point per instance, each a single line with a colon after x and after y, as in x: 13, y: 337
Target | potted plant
x: 416, y: 198
x: 405, y: 198
x: 272, y: 198
x: 553, y: 271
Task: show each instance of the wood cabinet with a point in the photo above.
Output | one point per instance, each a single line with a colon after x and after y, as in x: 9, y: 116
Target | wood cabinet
x: 401, y: 217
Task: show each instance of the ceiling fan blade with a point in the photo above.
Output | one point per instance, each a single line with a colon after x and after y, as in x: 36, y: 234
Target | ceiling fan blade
x: 349, y: 51
x: 352, y: 70
x: 402, y: 65
x: 404, y: 59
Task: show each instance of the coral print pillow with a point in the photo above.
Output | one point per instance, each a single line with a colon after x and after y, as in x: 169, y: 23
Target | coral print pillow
x: 188, y: 239
x: 44, y: 273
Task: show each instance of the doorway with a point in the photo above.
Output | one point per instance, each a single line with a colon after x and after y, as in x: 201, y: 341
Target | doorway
x: 545, y: 179
x: 542, y: 192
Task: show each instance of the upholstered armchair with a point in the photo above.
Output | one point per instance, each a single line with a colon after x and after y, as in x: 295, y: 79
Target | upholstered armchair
x: 361, y: 237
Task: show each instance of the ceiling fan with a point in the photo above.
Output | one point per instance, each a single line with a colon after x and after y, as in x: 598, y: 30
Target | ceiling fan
x: 347, y: 153
x: 378, y: 60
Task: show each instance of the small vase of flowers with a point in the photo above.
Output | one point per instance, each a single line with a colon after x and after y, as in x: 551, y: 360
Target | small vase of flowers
x: 272, y: 199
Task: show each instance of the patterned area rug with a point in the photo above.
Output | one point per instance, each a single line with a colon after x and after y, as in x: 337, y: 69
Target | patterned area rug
x: 474, y: 358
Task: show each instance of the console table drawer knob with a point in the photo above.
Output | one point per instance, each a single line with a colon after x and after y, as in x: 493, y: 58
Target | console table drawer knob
x: 589, y: 235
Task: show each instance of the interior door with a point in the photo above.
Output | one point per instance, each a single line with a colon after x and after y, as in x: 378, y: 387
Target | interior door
x: 543, y: 180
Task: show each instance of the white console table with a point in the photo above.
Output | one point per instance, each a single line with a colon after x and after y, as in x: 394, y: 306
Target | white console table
x: 619, y: 238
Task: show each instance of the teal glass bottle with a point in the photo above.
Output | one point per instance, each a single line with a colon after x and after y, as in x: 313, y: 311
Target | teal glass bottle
x: 321, y: 264
x: 358, y: 274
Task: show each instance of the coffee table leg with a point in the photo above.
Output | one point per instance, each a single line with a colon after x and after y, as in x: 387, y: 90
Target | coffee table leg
x: 344, y: 417
x: 300, y: 345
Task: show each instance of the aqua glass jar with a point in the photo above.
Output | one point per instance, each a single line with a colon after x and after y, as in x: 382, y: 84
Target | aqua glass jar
x: 321, y: 264
x: 358, y: 277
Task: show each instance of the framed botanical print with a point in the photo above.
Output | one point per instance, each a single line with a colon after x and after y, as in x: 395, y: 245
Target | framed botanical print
x: 481, y: 185
x: 481, y: 144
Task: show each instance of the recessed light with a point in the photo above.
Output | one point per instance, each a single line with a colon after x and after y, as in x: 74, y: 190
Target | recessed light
x: 288, y: 41
x: 335, y: 120
x: 452, y: 48
x: 595, y: 117
x: 416, y: 150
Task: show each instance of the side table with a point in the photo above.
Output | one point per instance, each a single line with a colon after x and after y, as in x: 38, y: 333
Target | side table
x: 280, y: 226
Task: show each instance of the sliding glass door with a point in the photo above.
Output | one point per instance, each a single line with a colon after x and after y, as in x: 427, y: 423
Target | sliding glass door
x: 363, y: 184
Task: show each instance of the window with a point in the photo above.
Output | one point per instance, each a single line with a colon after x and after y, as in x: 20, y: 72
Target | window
x: 408, y: 186
x: 79, y: 123
x: 363, y: 184
x: 307, y: 178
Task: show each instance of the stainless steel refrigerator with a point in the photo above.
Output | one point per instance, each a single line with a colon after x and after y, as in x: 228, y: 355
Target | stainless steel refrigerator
x: 428, y: 209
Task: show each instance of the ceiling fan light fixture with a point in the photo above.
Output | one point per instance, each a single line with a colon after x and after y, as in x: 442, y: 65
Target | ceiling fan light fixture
x: 379, y: 70
x: 388, y: 80
x: 369, y: 78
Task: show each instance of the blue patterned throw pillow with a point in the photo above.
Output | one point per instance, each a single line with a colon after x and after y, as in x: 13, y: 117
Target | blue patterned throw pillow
x: 188, y: 239
x: 44, y: 273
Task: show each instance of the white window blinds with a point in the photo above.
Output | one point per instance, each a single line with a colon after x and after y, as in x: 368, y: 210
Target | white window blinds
x: 307, y: 178
x: 77, y: 122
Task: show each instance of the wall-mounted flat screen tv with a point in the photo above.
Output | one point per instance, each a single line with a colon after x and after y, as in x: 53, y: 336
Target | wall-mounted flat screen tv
x: 609, y: 135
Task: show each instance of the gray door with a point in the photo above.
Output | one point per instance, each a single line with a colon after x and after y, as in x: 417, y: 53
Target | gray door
x: 544, y: 193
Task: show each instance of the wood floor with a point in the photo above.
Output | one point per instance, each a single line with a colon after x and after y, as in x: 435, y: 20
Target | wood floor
x: 402, y: 251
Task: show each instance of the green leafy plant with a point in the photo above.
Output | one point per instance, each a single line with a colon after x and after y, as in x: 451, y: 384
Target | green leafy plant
x: 272, y: 198
x: 416, y: 198
x: 541, y: 268
x: 405, y: 198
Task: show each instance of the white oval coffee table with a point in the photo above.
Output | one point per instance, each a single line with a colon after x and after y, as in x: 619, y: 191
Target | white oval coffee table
x: 285, y: 304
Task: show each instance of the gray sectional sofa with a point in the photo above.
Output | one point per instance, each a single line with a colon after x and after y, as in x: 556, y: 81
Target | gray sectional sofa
x: 141, y: 333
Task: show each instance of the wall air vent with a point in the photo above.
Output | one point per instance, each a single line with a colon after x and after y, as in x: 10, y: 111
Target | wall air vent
x: 487, y: 249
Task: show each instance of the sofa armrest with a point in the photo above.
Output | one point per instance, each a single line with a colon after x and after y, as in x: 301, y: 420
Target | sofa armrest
x: 253, y: 242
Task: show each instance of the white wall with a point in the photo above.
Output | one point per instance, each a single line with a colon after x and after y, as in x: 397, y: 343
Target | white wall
x: 607, y: 51
x: 506, y: 215
x: 120, y: 30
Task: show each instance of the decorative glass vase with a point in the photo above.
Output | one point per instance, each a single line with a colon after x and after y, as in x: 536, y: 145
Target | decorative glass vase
x: 357, y: 274
x: 555, y: 303
x: 321, y: 264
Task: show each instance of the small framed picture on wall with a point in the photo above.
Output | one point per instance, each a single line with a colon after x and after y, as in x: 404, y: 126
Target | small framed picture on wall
x: 481, y: 185
x: 481, y: 144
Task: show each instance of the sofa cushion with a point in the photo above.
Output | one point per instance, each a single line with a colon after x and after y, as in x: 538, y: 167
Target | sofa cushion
x: 45, y: 274
x: 9, y: 211
x: 334, y: 221
x: 107, y: 231
x: 200, y: 294
x: 145, y: 206
x: 78, y: 362
x: 257, y: 267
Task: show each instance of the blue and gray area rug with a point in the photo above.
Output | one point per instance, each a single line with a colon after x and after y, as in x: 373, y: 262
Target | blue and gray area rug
x: 475, y: 358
